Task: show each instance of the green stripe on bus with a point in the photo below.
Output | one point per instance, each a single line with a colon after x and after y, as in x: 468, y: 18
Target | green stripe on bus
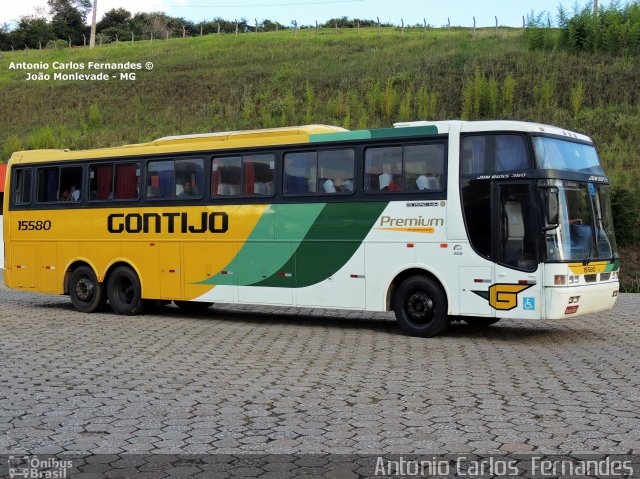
x: 332, y: 240
x: 615, y: 266
x: 270, y: 245
x: 375, y: 134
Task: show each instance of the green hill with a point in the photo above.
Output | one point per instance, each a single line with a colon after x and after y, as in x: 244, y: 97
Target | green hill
x: 354, y: 79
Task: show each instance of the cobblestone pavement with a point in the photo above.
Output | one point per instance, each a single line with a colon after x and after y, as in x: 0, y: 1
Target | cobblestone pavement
x: 256, y: 379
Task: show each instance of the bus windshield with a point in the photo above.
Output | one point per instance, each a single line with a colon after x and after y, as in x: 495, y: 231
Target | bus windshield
x: 555, y: 154
x: 585, y: 225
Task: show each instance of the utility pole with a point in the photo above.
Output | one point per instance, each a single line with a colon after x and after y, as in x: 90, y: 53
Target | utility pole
x: 92, y: 39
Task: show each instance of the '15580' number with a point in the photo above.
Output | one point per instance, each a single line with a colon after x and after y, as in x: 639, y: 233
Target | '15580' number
x: 34, y: 225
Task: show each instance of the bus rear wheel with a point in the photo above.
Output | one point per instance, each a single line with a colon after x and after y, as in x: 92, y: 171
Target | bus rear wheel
x: 480, y: 321
x: 420, y: 306
x: 86, y: 293
x: 125, y: 292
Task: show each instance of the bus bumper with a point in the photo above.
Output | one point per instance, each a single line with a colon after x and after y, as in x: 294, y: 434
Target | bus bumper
x: 567, y: 302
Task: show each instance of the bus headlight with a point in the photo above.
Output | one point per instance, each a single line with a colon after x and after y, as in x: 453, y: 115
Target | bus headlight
x: 574, y: 279
x: 559, y: 280
x: 614, y: 275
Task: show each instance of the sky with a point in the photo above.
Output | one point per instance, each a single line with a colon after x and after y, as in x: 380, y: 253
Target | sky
x: 306, y: 12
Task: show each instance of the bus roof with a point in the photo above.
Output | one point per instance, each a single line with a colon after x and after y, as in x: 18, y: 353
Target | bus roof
x: 496, y: 126
x: 285, y: 136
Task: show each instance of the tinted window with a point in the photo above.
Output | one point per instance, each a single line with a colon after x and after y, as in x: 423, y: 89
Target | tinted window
x: 59, y: 184
x: 258, y: 175
x: 226, y: 176
x: 335, y: 171
x: 494, y: 153
x: 409, y: 168
x: 182, y: 179
x: 301, y: 172
x: 249, y: 175
x: 476, y: 200
x: 22, y: 187
x: 320, y: 172
x: 114, y: 181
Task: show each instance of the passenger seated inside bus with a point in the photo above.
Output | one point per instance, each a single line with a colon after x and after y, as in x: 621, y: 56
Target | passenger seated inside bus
x: 337, y: 186
x: 427, y: 182
x: 65, y: 195
x: 74, y: 194
x: 186, y: 190
x: 388, y: 182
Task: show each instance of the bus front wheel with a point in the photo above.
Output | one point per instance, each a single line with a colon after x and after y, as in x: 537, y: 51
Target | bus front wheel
x: 86, y: 293
x: 420, y: 305
x: 124, y: 292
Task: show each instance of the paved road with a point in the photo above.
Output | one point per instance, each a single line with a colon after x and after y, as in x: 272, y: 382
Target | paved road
x: 240, y: 379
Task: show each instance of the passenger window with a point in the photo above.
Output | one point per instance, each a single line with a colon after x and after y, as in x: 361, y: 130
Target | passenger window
x: 189, y: 178
x: 383, y: 169
x: 160, y: 179
x: 258, y: 174
x: 22, y: 187
x: 300, y: 172
x: 486, y: 154
x: 412, y: 168
x: 226, y: 176
x: 321, y: 172
x: 181, y: 179
x: 335, y: 171
x: 59, y: 184
x: 424, y: 167
x: 108, y: 183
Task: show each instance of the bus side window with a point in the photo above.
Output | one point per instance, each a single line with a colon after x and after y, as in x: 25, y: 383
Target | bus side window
x: 486, y: 154
x: 48, y: 183
x: 382, y: 169
x: 22, y: 187
x: 423, y: 167
x: 226, y: 176
x: 336, y: 171
x: 258, y: 175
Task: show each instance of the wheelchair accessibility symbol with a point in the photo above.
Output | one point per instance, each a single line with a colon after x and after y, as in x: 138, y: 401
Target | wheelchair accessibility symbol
x: 529, y: 304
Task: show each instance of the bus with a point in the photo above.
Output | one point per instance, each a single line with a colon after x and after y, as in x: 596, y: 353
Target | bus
x: 436, y: 221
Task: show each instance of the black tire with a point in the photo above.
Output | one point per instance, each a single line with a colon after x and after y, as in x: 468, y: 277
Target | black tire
x: 192, y: 306
x: 86, y: 293
x: 480, y: 321
x: 420, y: 305
x: 124, y: 292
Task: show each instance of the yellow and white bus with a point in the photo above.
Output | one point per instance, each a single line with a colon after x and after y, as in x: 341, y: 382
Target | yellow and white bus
x: 437, y: 221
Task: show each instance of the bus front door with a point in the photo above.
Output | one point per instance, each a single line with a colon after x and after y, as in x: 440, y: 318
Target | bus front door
x: 517, y: 275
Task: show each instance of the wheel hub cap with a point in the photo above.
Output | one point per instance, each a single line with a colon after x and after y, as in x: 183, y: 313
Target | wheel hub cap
x: 420, y: 307
x: 85, y: 289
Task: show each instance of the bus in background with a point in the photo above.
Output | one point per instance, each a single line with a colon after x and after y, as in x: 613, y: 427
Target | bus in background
x: 437, y: 221
x: 3, y: 171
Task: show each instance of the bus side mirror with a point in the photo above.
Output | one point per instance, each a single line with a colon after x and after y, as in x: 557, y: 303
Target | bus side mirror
x: 551, y: 208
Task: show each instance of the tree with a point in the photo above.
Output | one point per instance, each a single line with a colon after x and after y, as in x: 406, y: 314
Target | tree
x: 115, y: 22
x: 31, y: 31
x: 68, y: 18
x: 115, y: 18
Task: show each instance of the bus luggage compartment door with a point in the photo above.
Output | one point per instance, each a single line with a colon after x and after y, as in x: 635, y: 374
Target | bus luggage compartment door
x: 475, y: 282
x: 25, y: 265
x: 170, y: 257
